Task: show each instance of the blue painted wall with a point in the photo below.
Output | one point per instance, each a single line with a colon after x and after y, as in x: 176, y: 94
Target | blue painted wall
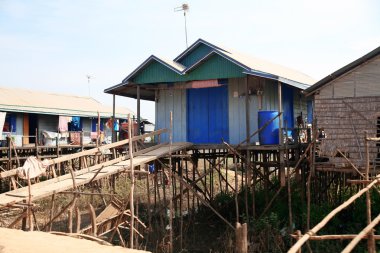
x: 234, y: 117
x: 207, y: 115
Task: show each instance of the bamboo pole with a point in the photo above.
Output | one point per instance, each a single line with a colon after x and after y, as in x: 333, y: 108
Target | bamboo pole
x: 131, y: 201
x: 368, y: 230
x: 322, y: 223
x: 236, y: 192
x: 93, y: 220
x: 333, y: 237
x: 78, y: 219
x: 171, y: 178
x: 70, y: 220
x: 52, y: 210
x: 370, y: 242
x: 29, y: 210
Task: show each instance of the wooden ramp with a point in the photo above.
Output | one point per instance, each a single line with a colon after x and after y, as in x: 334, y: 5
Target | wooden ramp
x: 84, y: 176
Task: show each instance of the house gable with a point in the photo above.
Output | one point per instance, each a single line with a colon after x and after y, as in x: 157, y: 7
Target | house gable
x: 155, y: 72
x: 196, y: 54
x: 215, y: 67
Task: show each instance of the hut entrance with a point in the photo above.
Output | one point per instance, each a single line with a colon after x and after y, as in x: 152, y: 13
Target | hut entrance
x: 207, y: 115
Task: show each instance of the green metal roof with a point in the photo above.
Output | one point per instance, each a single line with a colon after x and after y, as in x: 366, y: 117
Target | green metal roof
x: 213, y: 68
x: 195, y: 55
x: 203, y: 61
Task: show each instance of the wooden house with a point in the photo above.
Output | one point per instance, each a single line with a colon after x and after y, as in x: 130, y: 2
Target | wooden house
x: 215, y: 93
x: 24, y: 111
x: 346, y: 104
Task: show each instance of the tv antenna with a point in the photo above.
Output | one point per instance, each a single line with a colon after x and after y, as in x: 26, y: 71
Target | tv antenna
x: 184, y: 8
x: 88, y: 83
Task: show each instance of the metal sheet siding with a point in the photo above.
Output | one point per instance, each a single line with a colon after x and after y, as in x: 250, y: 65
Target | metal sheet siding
x: 207, y: 111
x: 236, y: 110
x: 175, y: 101
x: 237, y: 121
x: 270, y: 96
x: 195, y: 55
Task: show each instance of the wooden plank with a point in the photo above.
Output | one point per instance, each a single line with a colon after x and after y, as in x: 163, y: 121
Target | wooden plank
x: 62, y: 183
x: 86, y: 152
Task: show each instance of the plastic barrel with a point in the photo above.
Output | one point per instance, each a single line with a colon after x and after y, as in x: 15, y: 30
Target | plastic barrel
x: 269, y: 135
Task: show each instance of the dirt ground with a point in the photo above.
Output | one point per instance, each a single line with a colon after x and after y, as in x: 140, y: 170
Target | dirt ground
x: 18, y: 241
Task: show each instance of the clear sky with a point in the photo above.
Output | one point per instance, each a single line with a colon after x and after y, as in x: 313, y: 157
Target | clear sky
x: 52, y: 45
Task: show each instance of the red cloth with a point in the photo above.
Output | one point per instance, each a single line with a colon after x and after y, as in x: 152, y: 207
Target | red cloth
x: 205, y: 83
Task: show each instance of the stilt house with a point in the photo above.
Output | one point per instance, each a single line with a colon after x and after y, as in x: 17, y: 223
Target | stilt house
x: 215, y: 93
x: 346, y: 104
x: 23, y: 111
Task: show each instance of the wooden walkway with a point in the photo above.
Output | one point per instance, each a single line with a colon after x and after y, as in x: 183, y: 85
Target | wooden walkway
x: 84, y: 176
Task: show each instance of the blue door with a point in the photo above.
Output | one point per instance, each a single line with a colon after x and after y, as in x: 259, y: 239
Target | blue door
x: 287, y: 106
x: 207, y: 115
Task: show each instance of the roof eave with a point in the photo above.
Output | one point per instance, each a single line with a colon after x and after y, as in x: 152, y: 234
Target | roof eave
x: 343, y: 70
x: 293, y: 83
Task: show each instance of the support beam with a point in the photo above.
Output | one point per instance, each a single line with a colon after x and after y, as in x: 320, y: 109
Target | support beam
x: 138, y: 110
x: 113, y: 119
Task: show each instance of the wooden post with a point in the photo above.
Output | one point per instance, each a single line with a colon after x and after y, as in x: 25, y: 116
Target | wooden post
x: 280, y: 111
x: 241, y: 238
x: 98, y: 131
x: 29, y: 210
x: 81, y: 140
x: 131, y: 201
x: 138, y: 110
x: 93, y: 219
x: 113, y: 119
x: 36, y: 143
x: 281, y: 139
x: 78, y: 219
x: 52, y: 210
x: 170, y: 178
x: 248, y: 177
x: 370, y: 241
x: 70, y: 220
x: 9, y: 152
x: 58, y: 164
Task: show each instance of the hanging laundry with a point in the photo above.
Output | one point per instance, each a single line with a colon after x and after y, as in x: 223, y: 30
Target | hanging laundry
x: 63, y: 124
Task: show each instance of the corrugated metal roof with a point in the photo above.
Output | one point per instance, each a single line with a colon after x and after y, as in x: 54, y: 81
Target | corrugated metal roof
x: 21, y: 100
x: 343, y: 70
x: 249, y: 64
x: 175, y: 66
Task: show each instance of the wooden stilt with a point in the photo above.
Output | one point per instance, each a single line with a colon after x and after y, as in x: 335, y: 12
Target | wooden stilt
x: 241, y: 234
x: 131, y: 199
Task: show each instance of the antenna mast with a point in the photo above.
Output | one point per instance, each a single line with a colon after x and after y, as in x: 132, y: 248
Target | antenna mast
x: 88, y: 83
x: 184, y: 8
